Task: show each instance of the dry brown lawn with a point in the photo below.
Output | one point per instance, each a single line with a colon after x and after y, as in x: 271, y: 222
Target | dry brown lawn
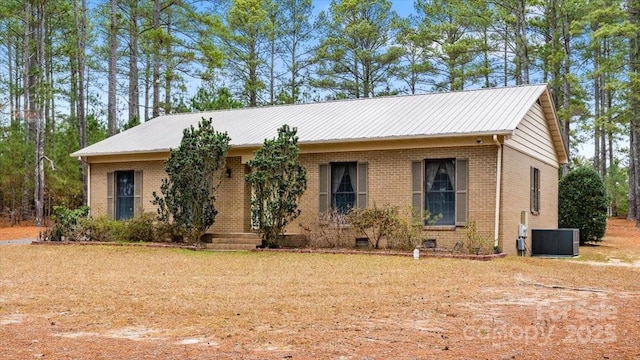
x: 116, y: 302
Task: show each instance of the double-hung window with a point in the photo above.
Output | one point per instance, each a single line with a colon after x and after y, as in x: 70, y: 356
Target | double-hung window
x: 124, y: 194
x: 440, y: 187
x: 343, y: 186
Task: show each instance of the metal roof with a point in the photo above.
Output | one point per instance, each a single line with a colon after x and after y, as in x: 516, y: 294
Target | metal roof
x: 473, y: 112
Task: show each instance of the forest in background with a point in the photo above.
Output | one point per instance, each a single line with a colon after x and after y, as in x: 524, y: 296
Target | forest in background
x: 73, y: 72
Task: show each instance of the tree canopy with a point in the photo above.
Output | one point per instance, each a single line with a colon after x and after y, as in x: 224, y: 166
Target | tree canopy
x: 70, y: 69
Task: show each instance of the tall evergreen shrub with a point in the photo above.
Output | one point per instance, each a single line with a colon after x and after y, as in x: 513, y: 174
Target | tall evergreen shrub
x: 582, y: 204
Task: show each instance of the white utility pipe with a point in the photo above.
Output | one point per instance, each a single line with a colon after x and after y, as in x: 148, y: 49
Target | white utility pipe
x: 496, y: 229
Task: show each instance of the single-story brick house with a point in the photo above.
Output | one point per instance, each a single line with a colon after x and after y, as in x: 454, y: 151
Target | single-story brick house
x: 484, y: 155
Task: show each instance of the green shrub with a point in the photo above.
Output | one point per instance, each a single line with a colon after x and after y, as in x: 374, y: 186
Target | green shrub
x: 104, y: 229
x: 66, y: 223
x: 143, y: 228
x: 582, y: 204
x: 193, y: 175
x: 278, y: 180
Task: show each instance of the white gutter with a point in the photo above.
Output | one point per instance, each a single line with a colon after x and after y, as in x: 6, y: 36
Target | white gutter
x: 89, y: 187
x: 496, y: 229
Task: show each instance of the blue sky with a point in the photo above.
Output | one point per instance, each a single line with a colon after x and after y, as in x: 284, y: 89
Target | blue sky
x: 402, y: 7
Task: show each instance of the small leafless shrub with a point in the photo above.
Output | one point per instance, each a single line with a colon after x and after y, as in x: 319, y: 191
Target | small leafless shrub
x: 474, y: 242
x: 375, y: 223
x: 328, y: 231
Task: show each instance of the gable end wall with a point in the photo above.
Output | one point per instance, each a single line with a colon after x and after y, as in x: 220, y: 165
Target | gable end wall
x: 532, y: 136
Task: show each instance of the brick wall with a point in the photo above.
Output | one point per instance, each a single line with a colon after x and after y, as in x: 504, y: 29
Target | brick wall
x: 516, y: 197
x: 152, y: 175
x: 389, y: 182
x: 229, y: 198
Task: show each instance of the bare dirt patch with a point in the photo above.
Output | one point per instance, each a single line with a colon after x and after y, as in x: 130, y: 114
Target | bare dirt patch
x: 72, y: 302
x: 20, y: 232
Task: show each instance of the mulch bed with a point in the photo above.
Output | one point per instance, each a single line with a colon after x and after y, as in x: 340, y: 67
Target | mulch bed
x: 423, y: 254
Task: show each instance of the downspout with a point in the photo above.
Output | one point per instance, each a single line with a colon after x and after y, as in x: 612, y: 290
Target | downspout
x: 81, y: 159
x: 496, y: 229
x: 89, y: 187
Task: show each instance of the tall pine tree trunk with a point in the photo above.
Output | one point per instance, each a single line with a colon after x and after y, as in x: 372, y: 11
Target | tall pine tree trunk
x: 39, y: 187
x: 168, y: 74
x: 134, y: 92
x: 632, y: 212
x: 112, y: 111
x: 147, y: 86
x: 80, y: 18
x: 12, y: 103
x: 156, y: 59
x: 596, y: 106
x: 633, y: 9
x: 566, y: 89
x: 26, y: 103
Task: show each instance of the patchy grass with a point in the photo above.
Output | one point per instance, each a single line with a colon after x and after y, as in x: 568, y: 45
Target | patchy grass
x: 138, y: 302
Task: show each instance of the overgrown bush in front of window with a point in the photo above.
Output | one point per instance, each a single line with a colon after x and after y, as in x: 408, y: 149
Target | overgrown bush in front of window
x: 278, y: 181
x: 143, y: 228
x: 104, y: 229
x: 329, y: 231
x: 583, y: 203
x: 375, y: 223
x: 76, y: 225
x: 409, y: 230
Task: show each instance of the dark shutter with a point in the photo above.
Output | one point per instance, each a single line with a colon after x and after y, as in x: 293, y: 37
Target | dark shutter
x: 361, y: 186
x: 137, y: 193
x: 323, y: 191
x: 532, y: 191
x: 110, y: 198
x: 417, y: 185
x: 461, y: 192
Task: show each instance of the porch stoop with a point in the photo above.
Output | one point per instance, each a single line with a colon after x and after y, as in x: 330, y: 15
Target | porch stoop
x: 232, y: 241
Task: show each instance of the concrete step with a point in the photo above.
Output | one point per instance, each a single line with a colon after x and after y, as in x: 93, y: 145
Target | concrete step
x: 230, y: 240
x: 236, y: 247
x: 239, y: 235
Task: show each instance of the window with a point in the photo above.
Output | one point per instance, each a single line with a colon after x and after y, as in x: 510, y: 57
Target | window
x: 440, y: 189
x: 535, y: 191
x: 124, y: 189
x: 124, y: 195
x: 343, y: 186
x: 440, y: 186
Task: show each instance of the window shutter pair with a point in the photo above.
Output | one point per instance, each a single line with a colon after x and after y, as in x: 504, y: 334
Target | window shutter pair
x: 137, y: 194
x: 325, y: 187
x: 418, y: 188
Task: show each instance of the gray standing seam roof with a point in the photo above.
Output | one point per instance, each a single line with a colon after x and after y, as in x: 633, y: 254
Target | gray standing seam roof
x: 473, y: 112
